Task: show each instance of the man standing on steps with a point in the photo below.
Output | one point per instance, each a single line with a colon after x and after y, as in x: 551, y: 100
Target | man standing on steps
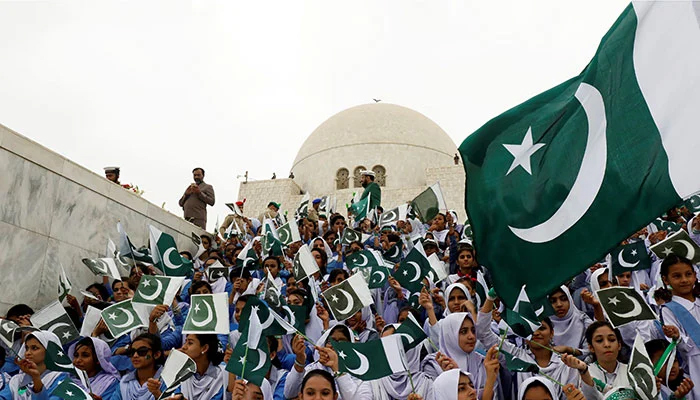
x: 372, y: 189
x: 196, y: 198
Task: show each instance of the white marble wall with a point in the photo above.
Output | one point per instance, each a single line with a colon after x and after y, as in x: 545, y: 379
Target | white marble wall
x: 53, y: 212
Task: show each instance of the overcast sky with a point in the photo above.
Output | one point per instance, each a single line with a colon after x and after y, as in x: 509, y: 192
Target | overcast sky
x: 159, y: 87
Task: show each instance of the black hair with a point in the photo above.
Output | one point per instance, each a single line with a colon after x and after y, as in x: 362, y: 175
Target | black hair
x: 537, y: 384
x: 548, y: 321
x: 392, y: 237
x: 19, y: 310
x: 338, y: 271
x: 673, y: 259
x: 341, y: 328
x: 273, y: 345
x: 73, y: 315
x: 156, y: 346
x: 323, y: 374
x: 590, y: 331
x: 198, y: 168
x: 237, y: 273
x: 199, y: 284
x: 328, y: 234
x: 187, y: 254
x: 324, y: 260
x: 657, y: 346
x: 244, y: 298
x: 87, y: 342
x: 336, y: 217
x: 3, y: 354
x: 100, y: 288
x: 100, y: 305
x: 214, y: 355
x: 412, y: 311
x: 274, y: 258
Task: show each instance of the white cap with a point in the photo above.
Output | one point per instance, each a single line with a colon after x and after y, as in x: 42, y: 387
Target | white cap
x: 111, y: 169
x: 367, y: 173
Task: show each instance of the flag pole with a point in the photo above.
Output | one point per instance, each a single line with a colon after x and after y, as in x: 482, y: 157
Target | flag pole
x: 410, y: 379
x: 664, y: 357
x: 245, y: 360
x: 503, y: 339
x: 545, y: 347
x: 433, y: 344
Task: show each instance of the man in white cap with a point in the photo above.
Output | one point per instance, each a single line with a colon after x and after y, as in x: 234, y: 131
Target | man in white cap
x: 112, y: 174
x: 372, y: 189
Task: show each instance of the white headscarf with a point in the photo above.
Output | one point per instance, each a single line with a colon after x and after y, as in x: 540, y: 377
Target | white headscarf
x: 326, y: 247
x: 449, y: 345
x: 205, y: 386
x: 47, y: 377
x: 449, y: 289
x: 691, y: 233
x: 446, y: 385
x: 108, y: 375
x: 570, y: 329
x: 529, y: 381
x: 398, y: 385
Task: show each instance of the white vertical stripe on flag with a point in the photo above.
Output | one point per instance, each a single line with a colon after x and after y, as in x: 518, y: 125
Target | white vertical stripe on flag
x: 666, y: 63
x: 395, y: 354
x: 254, y: 330
x: 359, y: 285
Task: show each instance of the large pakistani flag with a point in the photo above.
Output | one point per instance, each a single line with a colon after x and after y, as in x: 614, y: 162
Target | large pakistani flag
x: 613, y: 147
x: 165, y: 254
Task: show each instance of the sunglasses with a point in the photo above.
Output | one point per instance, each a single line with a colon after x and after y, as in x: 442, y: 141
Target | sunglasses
x: 141, y: 351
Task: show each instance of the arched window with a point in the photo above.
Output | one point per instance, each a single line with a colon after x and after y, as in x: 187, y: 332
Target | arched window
x: 379, y: 175
x: 357, y: 176
x: 342, y: 179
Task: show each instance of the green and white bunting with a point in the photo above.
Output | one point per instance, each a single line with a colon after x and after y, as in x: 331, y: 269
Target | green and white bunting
x: 623, y: 305
x: 348, y: 297
x: 304, y: 264
x: 53, y: 318
x: 289, y: 233
x: 64, y: 285
x: 640, y: 372
x: 630, y: 257
x: 429, y: 203
x: 208, y: 314
x: 679, y: 244
x: 617, y: 139
x: 157, y: 289
x: 122, y: 318
x: 387, y: 355
x: 165, y: 254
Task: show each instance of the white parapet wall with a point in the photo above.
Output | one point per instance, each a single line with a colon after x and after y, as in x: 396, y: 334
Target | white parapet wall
x: 54, y: 212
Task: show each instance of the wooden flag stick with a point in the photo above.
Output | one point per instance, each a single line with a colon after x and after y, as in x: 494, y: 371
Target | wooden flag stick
x: 545, y: 347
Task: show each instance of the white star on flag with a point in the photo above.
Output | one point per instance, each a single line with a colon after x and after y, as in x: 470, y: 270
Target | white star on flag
x: 66, y: 335
x: 196, y: 307
x: 341, y: 354
x: 522, y: 152
x: 112, y: 316
x: 405, y: 273
x: 613, y: 300
x: 667, y: 251
x: 634, y: 252
x: 241, y: 360
x: 334, y: 298
x: 69, y: 393
x: 60, y: 354
x: 146, y: 282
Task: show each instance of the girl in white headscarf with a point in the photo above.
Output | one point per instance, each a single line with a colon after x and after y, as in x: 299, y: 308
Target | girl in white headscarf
x: 536, y: 388
x: 548, y: 362
x: 458, y: 342
x: 568, y: 322
x: 454, y: 384
x: 455, y: 296
x: 34, y: 380
x: 400, y: 385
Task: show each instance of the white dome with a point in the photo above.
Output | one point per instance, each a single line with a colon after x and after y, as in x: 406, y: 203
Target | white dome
x: 402, y: 141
